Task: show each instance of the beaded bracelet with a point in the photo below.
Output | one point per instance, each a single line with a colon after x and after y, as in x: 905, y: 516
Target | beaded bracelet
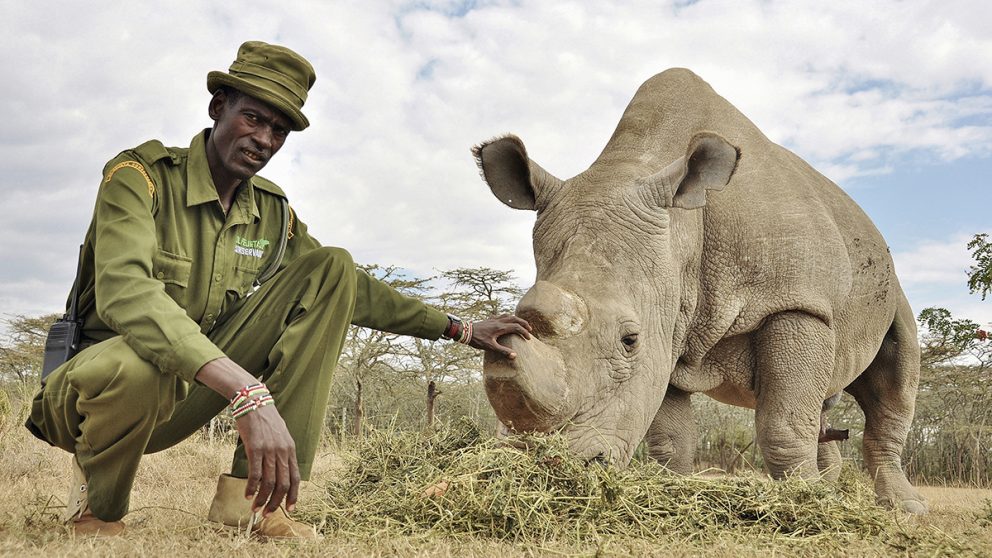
x: 466, y: 336
x: 248, y: 399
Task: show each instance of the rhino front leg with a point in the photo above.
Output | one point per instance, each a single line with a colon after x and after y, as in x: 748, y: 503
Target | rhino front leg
x: 794, y: 360
x: 672, y: 436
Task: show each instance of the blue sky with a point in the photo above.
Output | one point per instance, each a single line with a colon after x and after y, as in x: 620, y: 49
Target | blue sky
x: 891, y: 100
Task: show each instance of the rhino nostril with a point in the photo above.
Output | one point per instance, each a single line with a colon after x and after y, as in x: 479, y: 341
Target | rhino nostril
x: 497, y: 358
x: 541, y: 325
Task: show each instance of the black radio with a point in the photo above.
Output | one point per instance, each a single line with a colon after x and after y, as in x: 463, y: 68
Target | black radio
x: 62, y: 342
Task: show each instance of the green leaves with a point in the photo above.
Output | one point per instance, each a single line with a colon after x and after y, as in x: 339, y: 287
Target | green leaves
x: 980, y: 275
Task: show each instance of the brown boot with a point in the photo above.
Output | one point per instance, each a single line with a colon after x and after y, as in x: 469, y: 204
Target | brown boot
x: 78, y: 515
x: 232, y: 509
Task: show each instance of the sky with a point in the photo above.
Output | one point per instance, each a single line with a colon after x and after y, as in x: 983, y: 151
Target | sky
x: 890, y: 100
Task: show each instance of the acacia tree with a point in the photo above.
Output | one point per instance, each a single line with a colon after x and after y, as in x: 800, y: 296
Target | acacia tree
x: 953, y: 423
x: 945, y: 340
x: 473, y: 294
x: 22, y: 347
x: 370, y: 359
x: 980, y: 274
x: 481, y: 292
x: 383, y: 377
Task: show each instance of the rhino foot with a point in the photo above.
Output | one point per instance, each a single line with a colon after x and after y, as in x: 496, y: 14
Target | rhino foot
x: 913, y: 506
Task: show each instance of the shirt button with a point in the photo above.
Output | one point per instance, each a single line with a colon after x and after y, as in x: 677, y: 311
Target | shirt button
x: 210, y: 317
x: 218, y: 277
x: 160, y: 275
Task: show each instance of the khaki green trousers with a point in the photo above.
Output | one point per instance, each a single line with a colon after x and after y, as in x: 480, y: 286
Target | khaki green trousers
x: 108, y: 406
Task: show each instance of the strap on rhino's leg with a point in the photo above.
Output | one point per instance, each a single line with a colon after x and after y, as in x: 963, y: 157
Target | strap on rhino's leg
x: 671, y: 438
x: 794, y: 355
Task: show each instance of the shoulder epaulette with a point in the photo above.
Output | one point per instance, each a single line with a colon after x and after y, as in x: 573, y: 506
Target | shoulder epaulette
x: 268, y: 186
x: 153, y: 151
x: 142, y: 158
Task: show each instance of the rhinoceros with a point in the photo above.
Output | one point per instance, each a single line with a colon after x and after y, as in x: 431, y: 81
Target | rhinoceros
x: 696, y: 255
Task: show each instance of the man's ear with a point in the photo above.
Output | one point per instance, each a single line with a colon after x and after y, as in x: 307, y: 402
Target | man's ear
x: 217, y: 104
x: 708, y: 164
x: 513, y: 178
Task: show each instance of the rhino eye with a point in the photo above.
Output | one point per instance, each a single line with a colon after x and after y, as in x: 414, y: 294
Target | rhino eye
x: 629, y: 341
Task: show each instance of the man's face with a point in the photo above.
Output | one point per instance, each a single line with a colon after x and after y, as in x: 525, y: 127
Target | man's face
x: 246, y: 134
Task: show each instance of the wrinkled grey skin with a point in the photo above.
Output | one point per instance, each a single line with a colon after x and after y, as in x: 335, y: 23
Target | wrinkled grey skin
x: 695, y: 255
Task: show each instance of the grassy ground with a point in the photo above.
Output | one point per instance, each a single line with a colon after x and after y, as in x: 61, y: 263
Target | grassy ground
x: 174, y: 489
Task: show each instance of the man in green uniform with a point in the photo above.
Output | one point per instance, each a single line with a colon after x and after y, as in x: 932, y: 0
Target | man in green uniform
x: 197, y: 281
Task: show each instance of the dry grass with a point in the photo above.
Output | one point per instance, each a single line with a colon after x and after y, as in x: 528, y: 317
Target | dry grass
x: 498, y: 492
x: 356, y: 502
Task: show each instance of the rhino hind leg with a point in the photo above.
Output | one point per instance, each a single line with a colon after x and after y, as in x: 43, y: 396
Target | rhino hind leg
x: 794, y: 355
x: 828, y: 460
x: 828, y: 457
x: 671, y: 438
x: 886, y: 392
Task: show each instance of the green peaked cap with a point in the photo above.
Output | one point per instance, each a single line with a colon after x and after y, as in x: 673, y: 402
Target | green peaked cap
x: 270, y: 73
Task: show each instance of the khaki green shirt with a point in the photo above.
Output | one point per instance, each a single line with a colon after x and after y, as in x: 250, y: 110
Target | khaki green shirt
x: 162, y: 262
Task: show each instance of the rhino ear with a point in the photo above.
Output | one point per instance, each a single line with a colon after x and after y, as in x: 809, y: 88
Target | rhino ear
x: 708, y: 164
x: 516, y: 180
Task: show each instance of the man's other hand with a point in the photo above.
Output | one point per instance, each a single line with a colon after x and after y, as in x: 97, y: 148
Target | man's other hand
x: 273, y: 473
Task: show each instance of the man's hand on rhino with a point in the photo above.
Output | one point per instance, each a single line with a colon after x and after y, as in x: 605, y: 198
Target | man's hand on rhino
x: 486, y: 334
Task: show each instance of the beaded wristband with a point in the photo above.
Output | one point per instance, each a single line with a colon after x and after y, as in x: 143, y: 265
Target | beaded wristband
x: 248, y: 399
x: 249, y: 391
x: 252, y: 405
x: 466, y: 337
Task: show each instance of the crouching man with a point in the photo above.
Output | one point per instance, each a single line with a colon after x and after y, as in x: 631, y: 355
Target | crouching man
x: 200, y: 290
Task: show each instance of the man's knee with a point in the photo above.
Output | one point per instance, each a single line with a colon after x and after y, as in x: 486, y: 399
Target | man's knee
x: 110, y: 385
x: 337, y: 263
x: 115, y: 371
x: 112, y: 355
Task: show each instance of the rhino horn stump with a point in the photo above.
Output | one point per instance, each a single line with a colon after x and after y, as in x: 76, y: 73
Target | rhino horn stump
x: 528, y: 393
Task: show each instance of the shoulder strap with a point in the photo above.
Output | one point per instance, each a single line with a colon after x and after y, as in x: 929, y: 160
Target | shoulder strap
x: 280, y: 251
x: 73, y: 314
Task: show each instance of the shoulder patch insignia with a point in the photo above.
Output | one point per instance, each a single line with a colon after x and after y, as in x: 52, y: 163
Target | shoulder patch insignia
x: 136, y: 166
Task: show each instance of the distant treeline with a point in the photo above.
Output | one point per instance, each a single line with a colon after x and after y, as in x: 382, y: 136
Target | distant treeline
x: 385, y: 380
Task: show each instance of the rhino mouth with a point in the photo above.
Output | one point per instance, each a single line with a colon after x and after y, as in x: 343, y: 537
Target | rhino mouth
x: 595, y: 446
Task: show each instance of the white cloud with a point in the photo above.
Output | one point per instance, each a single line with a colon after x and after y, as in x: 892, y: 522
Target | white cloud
x: 935, y: 273
x: 404, y: 90
x: 935, y: 263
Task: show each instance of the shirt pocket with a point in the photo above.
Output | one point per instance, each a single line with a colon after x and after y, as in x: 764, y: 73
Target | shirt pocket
x: 244, y: 279
x: 174, y: 272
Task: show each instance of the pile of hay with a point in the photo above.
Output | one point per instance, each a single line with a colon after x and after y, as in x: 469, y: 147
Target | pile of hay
x: 393, y: 484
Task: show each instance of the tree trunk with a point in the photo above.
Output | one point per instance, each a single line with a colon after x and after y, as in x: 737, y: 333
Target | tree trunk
x: 432, y: 393
x: 359, y: 411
